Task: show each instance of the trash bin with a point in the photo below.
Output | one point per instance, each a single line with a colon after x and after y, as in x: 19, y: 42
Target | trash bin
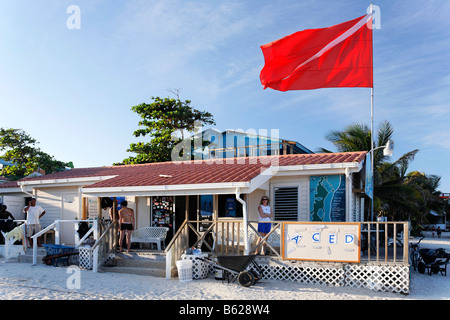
x: 184, y: 268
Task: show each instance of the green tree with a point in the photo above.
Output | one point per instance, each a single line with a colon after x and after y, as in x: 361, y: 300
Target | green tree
x: 161, y: 119
x: 392, y: 194
x: 19, y: 149
x: 427, y: 185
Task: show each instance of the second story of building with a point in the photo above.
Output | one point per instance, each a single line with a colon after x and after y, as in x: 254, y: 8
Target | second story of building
x: 234, y: 143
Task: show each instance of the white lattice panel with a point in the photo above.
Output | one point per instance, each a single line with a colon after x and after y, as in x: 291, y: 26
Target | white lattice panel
x: 200, y: 269
x: 388, y: 278
x: 86, y: 257
x: 328, y: 276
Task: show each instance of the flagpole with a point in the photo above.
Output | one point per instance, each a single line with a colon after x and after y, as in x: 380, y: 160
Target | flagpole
x: 372, y: 127
x: 372, y: 151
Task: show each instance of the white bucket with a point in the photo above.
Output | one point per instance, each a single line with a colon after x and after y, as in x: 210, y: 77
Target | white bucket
x: 218, y: 274
x: 184, y: 268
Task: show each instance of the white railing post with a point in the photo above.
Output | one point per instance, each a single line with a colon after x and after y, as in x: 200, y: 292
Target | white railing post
x: 77, y: 235
x: 95, y: 253
x: 169, y: 264
x: 95, y: 260
x: 95, y: 226
x: 57, y: 232
x: 6, y: 245
x: 34, y: 251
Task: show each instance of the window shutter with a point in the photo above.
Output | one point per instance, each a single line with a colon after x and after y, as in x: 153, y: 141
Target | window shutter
x: 286, y: 203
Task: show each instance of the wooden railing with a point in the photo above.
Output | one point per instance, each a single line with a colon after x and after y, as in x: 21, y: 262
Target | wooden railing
x: 381, y: 242
x: 105, y: 244
x: 57, y: 227
x: 176, y: 247
x: 227, y: 238
x: 385, y: 242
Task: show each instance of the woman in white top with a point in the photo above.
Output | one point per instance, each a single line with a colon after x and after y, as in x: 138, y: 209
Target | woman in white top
x: 265, y: 214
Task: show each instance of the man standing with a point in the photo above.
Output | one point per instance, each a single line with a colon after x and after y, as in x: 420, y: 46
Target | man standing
x: 34, y: 213
x: 126, y: 224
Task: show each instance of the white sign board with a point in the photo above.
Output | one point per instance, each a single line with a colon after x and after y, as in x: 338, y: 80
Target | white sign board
x: 93, y: 208
x: 331, y: 241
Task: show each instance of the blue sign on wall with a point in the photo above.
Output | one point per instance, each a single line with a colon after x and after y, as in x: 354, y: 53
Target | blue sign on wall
x: 327, y: 198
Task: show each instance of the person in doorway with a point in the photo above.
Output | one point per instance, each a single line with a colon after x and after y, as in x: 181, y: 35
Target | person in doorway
x: 126, y: 224
x: 4, y: 214
x: 265, y: 214
x: 33, y: 226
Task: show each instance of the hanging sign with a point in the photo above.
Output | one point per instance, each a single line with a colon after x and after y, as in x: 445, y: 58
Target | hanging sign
x: 332, y: 241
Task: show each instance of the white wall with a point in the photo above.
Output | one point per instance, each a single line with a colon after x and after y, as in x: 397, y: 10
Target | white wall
x: 142, y: 212
x: 50, y: 199
x: 60, y: 203
x: 253, y: 201
x: 15, y: 206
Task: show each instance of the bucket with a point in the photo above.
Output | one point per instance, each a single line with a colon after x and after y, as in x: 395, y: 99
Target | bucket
x: 184, y: 268
x: 218, y: 274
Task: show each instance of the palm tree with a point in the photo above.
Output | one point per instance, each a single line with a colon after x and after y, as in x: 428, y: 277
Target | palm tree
x: 427, y: 185
x: 391, y: 192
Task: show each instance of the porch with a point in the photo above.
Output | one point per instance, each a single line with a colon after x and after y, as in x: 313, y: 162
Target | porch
x: 383, y: 263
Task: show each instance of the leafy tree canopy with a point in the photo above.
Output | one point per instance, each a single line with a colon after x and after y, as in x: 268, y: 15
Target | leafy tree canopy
x: 161, y: 119
x: 397, y: 193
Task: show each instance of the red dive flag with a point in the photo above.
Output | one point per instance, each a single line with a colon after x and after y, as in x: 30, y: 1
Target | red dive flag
x: 338, y: 56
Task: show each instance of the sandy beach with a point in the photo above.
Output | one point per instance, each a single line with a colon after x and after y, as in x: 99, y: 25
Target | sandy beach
x: 22, y: 281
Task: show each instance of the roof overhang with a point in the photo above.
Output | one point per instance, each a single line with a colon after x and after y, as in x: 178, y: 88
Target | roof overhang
x: 15, y: 192
x: 261, y: 181
x: 63, y: 182
x: 167, y: 190
x: 317, y: 169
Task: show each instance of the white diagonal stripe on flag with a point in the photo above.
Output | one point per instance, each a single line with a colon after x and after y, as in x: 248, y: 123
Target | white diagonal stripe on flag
x: 335, y: 42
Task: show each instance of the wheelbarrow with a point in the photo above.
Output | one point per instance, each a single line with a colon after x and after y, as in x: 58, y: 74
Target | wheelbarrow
x: 235, y: 267
x: 58, y: 253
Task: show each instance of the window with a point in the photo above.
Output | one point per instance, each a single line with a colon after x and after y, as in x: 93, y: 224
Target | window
x: 286, y: 203
x: 229, y: 206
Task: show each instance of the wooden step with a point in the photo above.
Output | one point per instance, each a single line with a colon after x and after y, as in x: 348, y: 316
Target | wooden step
x: 28, y: 256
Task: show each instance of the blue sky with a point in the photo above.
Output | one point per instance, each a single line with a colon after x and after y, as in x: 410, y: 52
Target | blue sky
x: 72, y: 90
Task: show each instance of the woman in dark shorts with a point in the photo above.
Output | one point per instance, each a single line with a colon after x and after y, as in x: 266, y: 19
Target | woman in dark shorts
x: 265, y: 214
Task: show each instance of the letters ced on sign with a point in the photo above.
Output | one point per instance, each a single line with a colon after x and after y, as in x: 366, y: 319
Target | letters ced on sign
x: 316, y: 241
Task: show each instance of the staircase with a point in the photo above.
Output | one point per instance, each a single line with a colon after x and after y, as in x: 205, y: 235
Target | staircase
x: 17, y: 254
x: 140, y: 262
x: 28, y: 256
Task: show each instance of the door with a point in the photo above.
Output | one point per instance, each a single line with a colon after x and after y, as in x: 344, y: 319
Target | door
x: 69, y: 212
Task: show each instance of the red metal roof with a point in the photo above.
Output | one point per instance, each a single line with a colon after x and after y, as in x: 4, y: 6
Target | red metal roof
x: 194, y: 172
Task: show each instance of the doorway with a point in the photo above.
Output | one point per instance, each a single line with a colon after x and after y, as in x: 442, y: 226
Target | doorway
x: 69, y: 209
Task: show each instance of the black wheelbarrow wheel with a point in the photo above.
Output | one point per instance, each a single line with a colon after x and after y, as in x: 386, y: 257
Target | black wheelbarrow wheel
x: 246, y: 278
x: 256, y: 275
